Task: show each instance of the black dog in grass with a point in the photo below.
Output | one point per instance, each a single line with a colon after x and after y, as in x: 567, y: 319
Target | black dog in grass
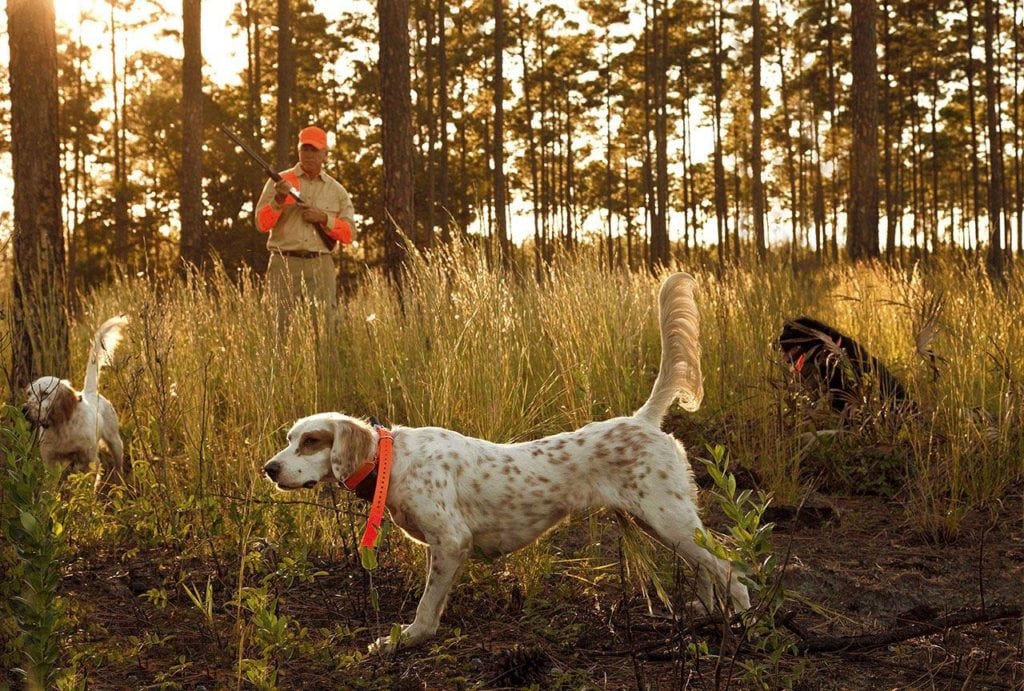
x: 834, y: 364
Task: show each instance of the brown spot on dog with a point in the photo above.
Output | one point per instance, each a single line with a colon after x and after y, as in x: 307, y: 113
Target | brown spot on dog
x: 315, y: 441
x: 63, y: 405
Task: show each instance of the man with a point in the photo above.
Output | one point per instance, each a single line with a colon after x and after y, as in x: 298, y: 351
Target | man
x: 299, y: 258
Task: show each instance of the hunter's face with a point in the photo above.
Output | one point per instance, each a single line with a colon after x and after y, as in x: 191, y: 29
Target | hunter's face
x: 311, y: 158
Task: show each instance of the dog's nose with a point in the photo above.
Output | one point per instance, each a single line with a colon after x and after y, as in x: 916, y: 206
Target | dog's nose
x: 24, y: 410
x: 271, y: 470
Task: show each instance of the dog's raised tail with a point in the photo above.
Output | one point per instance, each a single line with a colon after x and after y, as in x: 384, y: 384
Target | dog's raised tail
x: 679, y: 375
x: 104, y: 342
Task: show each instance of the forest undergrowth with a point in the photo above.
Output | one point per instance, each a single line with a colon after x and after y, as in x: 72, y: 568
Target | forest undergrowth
x: 206, y: 384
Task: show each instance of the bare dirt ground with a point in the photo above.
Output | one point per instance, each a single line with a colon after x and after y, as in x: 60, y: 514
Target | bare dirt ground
x: 860, y: 570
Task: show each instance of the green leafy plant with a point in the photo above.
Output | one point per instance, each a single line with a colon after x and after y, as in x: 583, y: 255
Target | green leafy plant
x: 751, y: 554
x: 31, y: 557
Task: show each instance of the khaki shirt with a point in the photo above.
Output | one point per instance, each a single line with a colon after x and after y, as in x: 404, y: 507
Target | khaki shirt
x: 292, y: 234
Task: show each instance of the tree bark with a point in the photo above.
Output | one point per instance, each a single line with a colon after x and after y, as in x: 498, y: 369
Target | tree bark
x: 443, y: 116
x: 756, y: 185
x: 194, y: 247
x: 862, y: 234
x: 994, y: 258
x: 259, y: 256
x: 659, y: 58
x: 973, y: 112
x: 787, y: 119
x: 396, y: 131
x: 498, y: 138
x: 540, y: 255
x: 120, y: 184
x: 721, y: 203
x: 40, y: 320
x: 284, y: 147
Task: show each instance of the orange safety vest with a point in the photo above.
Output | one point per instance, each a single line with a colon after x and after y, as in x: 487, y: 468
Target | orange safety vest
x: 267, y: 218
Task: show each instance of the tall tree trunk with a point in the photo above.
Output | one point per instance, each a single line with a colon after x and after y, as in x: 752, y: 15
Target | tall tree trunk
x: 833, y: 126
x: 934, y: 124
x: 257, y: 249
x: 973, y: 112
x: 994, y: 258
x: 194, y: 245
x: 463, y: 218
x: 862, y: 235
x: 628, y: 202
x: 916, y: 178
x: 756, y: 185
x: 650, y: 207
x: 431, y: 116
x: 608, y: 178
x: 498, y: 144
x: 721, y: 203
x: 689, y: 197
x: 284, y: 147
x: 820, y: 238
x: 659, y: 58
x: 39, y: 338
x: 791, y: 172
x: 120, y: 183
x: 531, y: 153
x: 396, y: 130
x: 570, y: 178
x: 443, y: 116
x: 1018, y: 186
x: 75, y: 236
x: 888, y: 117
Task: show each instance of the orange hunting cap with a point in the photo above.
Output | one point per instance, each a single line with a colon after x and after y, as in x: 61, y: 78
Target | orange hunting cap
x: 315, y: 136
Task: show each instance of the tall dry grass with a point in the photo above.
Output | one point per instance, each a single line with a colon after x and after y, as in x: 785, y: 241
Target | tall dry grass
x: 206, y: 383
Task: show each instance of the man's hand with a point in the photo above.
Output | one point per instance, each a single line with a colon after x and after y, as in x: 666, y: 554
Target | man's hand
x: 281, y: 189
x: 311, y: 214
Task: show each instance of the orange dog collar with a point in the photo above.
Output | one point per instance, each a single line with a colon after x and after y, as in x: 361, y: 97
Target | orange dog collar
x: 382, y: 463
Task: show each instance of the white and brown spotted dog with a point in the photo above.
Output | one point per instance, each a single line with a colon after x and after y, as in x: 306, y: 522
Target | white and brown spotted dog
x: 460, y: 495
x: 73, y: 423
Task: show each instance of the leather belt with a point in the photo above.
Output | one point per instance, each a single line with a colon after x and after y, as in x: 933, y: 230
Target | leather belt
x: 300, y: 255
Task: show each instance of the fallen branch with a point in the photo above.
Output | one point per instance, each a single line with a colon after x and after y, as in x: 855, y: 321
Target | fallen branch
x: 869, y: 641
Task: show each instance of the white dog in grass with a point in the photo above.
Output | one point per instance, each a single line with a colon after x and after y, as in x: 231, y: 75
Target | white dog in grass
x: 73, y: 423
x: 460, y: 495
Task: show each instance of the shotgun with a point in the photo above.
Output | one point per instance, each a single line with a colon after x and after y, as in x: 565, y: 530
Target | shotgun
x: 329, y: 242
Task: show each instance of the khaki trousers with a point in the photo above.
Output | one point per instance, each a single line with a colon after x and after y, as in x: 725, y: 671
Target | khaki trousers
x: 293, y: 280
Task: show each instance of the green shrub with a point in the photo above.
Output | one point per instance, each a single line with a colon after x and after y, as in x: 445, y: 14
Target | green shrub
x: 31, y: 558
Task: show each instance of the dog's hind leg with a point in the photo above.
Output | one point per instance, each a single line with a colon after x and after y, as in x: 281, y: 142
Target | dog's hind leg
x: 117, y: 470
x: 670, y: 517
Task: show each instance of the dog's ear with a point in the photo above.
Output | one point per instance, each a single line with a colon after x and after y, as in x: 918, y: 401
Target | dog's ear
x: 353, y: 444
x: 62, y: 407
